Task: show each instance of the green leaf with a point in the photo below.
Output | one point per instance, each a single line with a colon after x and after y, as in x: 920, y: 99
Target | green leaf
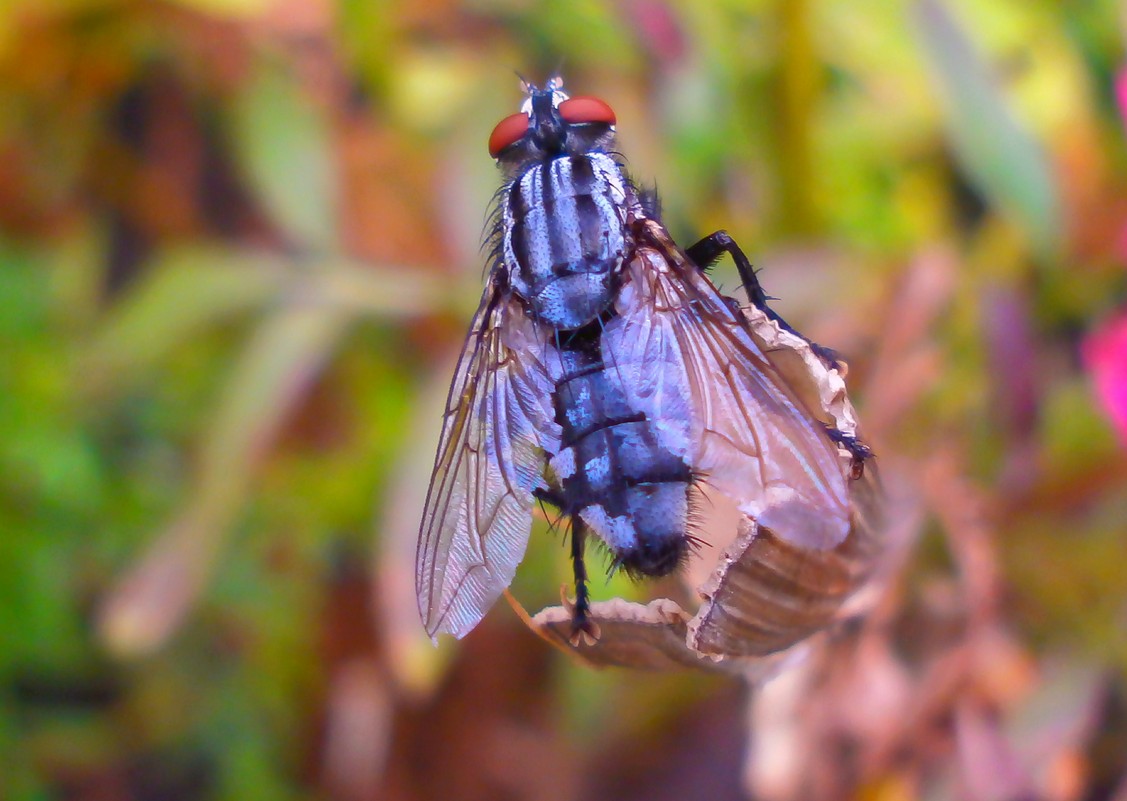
x: 284, y: 147
x: 998, y: 154
x: 185, y: 291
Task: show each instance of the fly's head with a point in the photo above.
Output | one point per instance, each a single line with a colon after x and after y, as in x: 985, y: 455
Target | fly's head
x: 551, y: 124
x: 560, y: 225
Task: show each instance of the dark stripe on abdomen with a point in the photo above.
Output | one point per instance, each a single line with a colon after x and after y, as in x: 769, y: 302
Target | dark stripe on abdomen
x: 577, y: 436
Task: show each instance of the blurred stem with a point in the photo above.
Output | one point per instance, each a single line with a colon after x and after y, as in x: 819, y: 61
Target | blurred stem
x: 796, y: 91
x: 272, y: 376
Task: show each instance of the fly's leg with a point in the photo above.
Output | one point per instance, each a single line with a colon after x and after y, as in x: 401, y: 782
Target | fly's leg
x: 545, y: 495
x: 582, y: 627
x: 705, y: 253
x: 857, y: 449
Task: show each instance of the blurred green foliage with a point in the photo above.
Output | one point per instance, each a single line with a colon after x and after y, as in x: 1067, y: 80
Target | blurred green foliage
x: 239, y: 248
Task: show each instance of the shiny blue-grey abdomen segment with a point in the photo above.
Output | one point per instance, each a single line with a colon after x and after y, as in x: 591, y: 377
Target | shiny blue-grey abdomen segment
x: 614, y: 469
x: 565, y: 237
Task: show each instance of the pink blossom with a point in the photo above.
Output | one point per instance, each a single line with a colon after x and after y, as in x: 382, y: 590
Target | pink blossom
x: 1105, y: 356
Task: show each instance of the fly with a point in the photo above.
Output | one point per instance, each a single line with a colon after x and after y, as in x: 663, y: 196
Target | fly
x: 605, y: 374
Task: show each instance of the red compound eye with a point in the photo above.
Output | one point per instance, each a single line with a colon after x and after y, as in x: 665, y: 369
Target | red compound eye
x: 580, y: 110
x: 507, y: 132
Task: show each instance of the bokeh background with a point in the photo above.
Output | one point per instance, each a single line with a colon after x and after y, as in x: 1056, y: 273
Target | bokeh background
x: 239, y: 249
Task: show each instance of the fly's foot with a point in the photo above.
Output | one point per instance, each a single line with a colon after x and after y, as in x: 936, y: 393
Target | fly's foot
x: 860, y: 452
x: 583, y: 630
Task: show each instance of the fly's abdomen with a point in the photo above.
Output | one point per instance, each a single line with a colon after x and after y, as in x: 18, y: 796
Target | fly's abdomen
x: 614, y: 471
x: 565, y: 237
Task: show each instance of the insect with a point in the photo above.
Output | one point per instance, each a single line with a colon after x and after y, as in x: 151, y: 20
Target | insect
x: 604, y: 374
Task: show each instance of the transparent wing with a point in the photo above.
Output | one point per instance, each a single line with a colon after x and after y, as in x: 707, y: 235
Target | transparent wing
x: 497, y: 426
x: 750, y: 436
